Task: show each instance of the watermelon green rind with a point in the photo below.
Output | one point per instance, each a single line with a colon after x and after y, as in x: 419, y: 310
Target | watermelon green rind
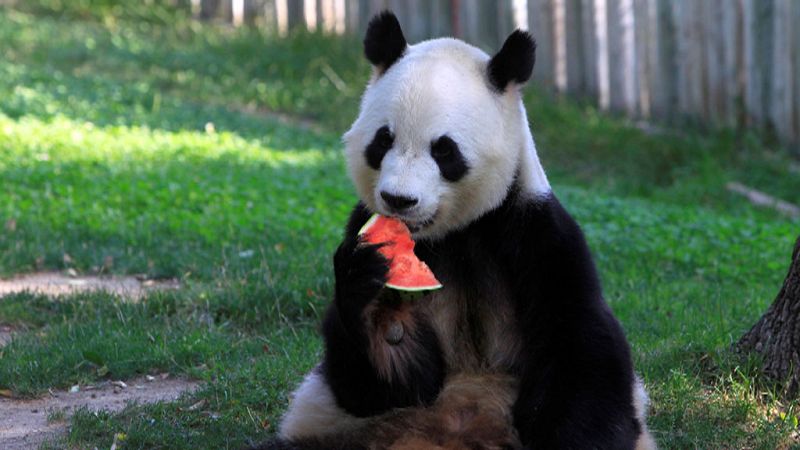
x: 400, y: 245
x: 369, y: 224
x: 415, y: 288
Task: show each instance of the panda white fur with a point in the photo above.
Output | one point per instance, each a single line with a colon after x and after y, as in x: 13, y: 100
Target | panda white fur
x: 519, y: 349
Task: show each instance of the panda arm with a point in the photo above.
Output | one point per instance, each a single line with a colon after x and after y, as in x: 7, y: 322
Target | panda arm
x: 367, y: 374
x: 576, y: 374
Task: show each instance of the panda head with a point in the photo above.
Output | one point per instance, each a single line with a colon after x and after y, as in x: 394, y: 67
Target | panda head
x: 442, y: 135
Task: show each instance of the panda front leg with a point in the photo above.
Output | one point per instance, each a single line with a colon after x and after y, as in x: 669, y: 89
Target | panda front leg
x: 380, y: 354
x: 380, y: 351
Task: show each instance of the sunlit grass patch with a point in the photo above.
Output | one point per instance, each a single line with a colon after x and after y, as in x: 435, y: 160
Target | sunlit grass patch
x: 156, y: 200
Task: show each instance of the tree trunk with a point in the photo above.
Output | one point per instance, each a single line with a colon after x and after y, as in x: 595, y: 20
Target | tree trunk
x: 776, y: 336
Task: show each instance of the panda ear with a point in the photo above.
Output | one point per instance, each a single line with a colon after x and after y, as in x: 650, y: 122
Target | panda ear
x: 514, y: 62
x: 384, y: 42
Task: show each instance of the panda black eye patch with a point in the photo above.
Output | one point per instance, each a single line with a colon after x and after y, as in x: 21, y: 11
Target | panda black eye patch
x: 448, y: 157
x: 381, y: 143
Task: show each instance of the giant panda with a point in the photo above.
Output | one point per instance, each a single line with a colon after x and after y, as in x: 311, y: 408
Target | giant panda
x: 519, y: 349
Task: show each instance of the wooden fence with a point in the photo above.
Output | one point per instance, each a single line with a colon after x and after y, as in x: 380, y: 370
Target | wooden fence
x: 729, y: 63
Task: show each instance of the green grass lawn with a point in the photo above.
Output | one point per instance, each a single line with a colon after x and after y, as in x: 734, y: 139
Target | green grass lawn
x: 138, y: 148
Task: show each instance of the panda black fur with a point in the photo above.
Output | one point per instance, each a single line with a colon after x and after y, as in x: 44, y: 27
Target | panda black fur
x: 519, y: 349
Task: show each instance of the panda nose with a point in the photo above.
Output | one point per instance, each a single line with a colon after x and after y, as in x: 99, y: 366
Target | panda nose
x: 398, y: 202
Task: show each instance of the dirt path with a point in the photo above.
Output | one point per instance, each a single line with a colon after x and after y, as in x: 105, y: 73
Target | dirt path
x: 56, y: 283
x: 24, y: 424
x: 5, y: 334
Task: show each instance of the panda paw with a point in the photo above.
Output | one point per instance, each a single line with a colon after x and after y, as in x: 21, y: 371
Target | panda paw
x: 361, y: 273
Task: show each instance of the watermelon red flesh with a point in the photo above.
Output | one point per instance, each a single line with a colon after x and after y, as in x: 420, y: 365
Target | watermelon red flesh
x: 406, y: 271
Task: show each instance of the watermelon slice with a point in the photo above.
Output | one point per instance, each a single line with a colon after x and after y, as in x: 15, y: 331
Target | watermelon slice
x: 406, y: 271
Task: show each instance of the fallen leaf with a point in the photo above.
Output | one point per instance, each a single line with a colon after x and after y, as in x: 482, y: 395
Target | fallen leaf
x: 196, y: 406
x: 119, y: 383
x: 265, y: 424
x: 119, y: 437
x: 6, y: 393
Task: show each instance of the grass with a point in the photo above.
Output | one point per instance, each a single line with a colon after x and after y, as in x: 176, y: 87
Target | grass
x: 128, y: 146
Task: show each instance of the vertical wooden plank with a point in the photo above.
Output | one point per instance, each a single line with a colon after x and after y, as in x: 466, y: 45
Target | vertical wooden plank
x: 780, y: 103
x: 237, y: 12
x: 559, y: 46
x: 295, y: 14
x: 504, y: 15
x: 750, y: 72
x: 352, y: 16
x: 269, y: 14
x: 589, y: 56
x: 655, y: 91
x: 642, y: 37
x: 689, y: 57
x: 253, y: 10
x: 339, y: 16
x: 601, y: 23
x: 573, y: 47
x: 245, y: 11
x: 364, y: 15
x: 468, y: 15
x: 195, y: 8
x: 621, y: 56
x: 700, y: 75
x: 680, y: 14
x: 484, y: 24
x: 282, y: 16
x: 313, y: 12
x: 326, y: 16
x: 758, y: 28
x: 208, y: 9
x: 714, y: 56
x: 440, y: 24
x: 540, y: 24
x: 520, y: 14
x: 730, y: 19
x: 664, y: 92
x: 226, y: 10
x: 488, y: 25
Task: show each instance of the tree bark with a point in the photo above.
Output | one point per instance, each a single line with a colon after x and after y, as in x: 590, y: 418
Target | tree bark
x: 776, y: 336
